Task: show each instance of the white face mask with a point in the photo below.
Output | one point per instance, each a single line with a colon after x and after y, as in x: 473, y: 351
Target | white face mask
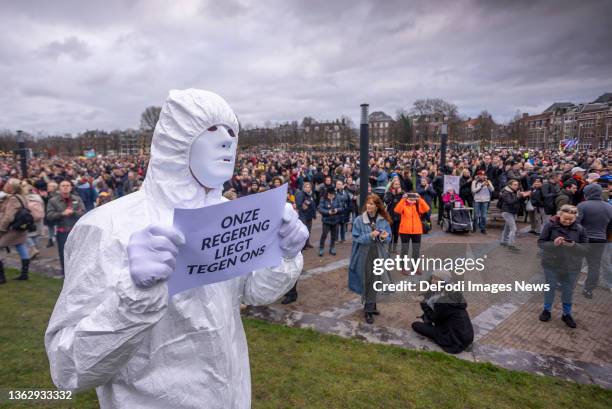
x: 212, y: 156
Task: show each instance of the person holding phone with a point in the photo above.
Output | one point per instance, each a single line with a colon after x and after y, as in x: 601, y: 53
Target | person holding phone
x: 371, y: 235
x: 411, y: 210
x: 562, y: 243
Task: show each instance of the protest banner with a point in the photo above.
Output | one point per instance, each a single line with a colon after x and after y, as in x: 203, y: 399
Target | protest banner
x: 228, y: 240
x: 451, y: 182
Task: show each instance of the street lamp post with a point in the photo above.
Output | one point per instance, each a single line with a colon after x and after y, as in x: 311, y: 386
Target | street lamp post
x: 364, y: 166
x: 21, y: 151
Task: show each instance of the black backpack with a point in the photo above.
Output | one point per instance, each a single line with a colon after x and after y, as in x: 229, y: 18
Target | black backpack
x: 23, y: 220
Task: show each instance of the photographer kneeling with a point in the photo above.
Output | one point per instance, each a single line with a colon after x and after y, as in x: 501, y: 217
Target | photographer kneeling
x: 445, y: 317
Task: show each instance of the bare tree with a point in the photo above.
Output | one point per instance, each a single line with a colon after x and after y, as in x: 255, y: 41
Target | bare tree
x: 149, y: 118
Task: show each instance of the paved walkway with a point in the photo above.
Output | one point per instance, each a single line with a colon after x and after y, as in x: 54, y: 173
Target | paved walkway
x: 507, y: 330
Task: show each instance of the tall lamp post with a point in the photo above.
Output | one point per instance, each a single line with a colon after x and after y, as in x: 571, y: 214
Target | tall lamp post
x: 364, y: 166
x: 443, y: 143
x: 21, y: 151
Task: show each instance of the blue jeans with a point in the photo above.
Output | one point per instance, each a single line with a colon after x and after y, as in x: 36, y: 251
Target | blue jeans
x: 552, y: 276
x: 480, y: 215
x: 22, y: 249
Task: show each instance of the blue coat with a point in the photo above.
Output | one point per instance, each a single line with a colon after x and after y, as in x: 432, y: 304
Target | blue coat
x: 361, y: 245
x: 325, y: 206
x: 343, y: 198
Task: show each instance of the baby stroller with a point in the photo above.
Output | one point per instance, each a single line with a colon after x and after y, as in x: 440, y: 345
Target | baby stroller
x: 456, y: 219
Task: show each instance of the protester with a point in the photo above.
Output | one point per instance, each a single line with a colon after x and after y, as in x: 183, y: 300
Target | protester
x: 566, y: 195
x: 595, y: 216
x: 445, y: 319
x: 371, y: 232
x: 36, y: 206
x: 391, y: 199
x: 550, y: 190
x: 64, y: 209
x: 537, y: 204
x: 482, y: 189
x: 11, y: 231
x: 330, y: 208
x: 343, y: 213
x: 562, y: 245
x: 510, y: 203
x: 411, y: 209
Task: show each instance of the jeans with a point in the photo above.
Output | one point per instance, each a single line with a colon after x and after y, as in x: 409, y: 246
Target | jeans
x: 593, y: 258
x: 416, y: 244
x: 552, y: 275
x: 537, y: 219
x: 327, y: 228
x: 22, y: 249
x: 61, y: 242
x: 509, y: 232
x: 480, y: 215
x: 606, y: 266
x: 342, y: 227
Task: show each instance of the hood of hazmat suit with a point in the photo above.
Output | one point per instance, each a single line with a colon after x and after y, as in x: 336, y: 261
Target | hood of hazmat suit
x: 137, y: 349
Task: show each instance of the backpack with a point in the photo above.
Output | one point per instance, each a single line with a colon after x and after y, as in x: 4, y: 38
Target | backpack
x: 23, y: 220
x: 36, y: 209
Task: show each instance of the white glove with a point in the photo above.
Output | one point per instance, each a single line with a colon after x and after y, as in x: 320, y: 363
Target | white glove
x: 152, y: 254
x: 293, y: 233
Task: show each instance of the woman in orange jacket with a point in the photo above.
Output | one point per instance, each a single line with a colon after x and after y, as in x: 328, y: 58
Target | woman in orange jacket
x: 411, y: 208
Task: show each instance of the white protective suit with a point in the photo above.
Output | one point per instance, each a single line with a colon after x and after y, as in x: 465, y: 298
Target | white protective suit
x: 138, y: 350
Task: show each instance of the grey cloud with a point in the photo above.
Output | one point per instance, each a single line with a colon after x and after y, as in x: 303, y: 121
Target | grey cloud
x: 70, y: 46
x: 284, y: 59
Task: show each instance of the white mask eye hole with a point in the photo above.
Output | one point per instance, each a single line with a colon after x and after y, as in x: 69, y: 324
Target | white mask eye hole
x: 231, y: 132
x: 212, y: 129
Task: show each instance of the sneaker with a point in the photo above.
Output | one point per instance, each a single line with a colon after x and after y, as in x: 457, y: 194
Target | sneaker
x: 321, y: 252
x: 503, y: 244
x: 545, y: 316
x: 514, y: 248
x: 332, y: 251
x: 569, y: 321
x: 587, y: 293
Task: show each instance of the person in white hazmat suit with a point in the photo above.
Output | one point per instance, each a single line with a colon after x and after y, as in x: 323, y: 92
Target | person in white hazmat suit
x: 113, y: 327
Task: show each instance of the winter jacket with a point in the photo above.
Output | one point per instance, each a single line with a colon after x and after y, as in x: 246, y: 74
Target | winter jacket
x: 427, y: 194
x: 511, y: 203
x: 392, y: 198
x: 564, y: 197
x: 410, y: 217
x: 9, y: 207
x: 452, y: 325
x: 306, y: 207
x: 343, y: 199
x: 594, y: 214
x: 324, y: 208
x: 55, y: 209
x: 549, y: 193
x: 482, y: 191
x: 562, y: 257
x: 88, y: 195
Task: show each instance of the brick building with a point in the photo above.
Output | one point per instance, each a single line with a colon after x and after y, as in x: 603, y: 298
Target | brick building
x: 380, y: 130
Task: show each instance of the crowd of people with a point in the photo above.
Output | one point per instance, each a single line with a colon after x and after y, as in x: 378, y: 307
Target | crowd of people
x: 550, y: 190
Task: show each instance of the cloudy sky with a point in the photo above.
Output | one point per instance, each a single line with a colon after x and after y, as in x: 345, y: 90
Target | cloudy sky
x: 68, y: 66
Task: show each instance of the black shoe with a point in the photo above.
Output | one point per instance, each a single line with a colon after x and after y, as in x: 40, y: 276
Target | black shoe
x: 483, y: 231
x: 369, y: 318
x: 49, y: 243
x: 308, y: 246
x: 513, y: 248
x: 588, y: 294
x: 25, y: 266
x: 289, y: 299
x: 569, y: 321
x: 545, y: 316
x: 535, y: 233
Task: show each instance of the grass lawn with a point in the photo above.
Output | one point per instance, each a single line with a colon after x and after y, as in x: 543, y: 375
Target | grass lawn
x: 304, y: 369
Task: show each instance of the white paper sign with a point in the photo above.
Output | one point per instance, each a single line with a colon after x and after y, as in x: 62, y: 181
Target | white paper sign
x: 228, y: 240
x: 451, y: 182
